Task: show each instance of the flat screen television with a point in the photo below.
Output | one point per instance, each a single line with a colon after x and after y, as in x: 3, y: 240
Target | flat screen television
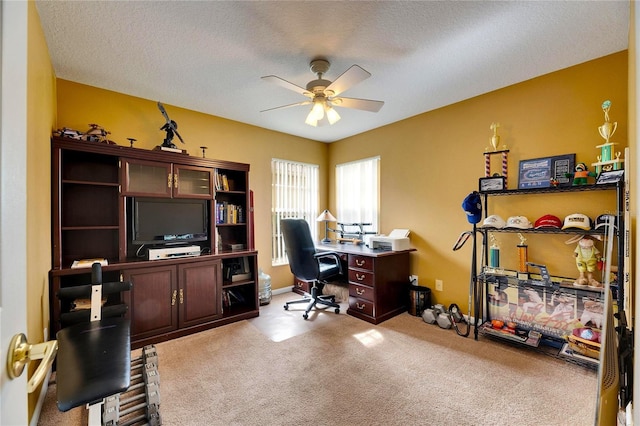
x: 165, y: 221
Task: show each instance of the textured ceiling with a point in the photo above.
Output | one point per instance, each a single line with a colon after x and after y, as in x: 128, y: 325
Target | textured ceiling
x: 209, y: 56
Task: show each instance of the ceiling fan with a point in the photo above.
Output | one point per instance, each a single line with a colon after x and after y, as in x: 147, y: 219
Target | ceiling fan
x: 324, y: 94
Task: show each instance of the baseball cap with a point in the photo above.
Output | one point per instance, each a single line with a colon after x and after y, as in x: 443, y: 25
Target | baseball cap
x: 473, y: 207
x: 602, y: 221
x: 520, y: 222
x: 548, y: 221
x: 493, y: 221
x: 577, y: 220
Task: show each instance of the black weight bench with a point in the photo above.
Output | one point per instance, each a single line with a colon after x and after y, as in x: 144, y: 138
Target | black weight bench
x: 94, y: 355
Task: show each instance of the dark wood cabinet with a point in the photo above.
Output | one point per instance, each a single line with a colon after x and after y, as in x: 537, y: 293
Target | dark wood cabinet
x: 152, y: 301
x: 378, y: 286
x: 93, y: 185
x: 199, y: 292
x: 168, y: 298
x: 149, y: 178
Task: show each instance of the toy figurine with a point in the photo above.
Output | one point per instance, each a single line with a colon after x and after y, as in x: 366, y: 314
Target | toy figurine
x: 587, y: 257
x: 581, y: 174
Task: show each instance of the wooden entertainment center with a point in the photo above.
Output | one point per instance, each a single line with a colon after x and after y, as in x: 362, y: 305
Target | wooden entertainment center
x: 94, y: 191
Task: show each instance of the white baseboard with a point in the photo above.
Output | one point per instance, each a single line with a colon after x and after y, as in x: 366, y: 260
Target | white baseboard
x: 283, y: 290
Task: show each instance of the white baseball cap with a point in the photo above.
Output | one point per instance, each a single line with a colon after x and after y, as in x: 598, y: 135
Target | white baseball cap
x: 493, y: 221
x: 519, y: 222
x: 577, y: 220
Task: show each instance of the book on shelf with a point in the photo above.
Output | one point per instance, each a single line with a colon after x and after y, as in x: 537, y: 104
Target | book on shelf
x: 221, y: 181
x: 229, y: 213
x: 87, y: 263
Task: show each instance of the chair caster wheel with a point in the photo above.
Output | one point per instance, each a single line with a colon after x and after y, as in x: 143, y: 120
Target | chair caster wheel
x: 305, y: 316
x: 337, y: 310
x: 286, y: 307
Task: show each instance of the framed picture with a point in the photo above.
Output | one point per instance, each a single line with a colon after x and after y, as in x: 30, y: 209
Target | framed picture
x: 538, y: 172
x: 610, y: 177
x: 489, y: 184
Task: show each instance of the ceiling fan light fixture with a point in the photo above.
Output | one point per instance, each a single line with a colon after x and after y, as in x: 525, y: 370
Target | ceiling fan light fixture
x: 318, y: 109
x: 311, y: 119
x: 332, y: 115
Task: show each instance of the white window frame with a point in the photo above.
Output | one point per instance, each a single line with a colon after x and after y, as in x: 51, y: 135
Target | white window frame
x: 294, y: 194
x: 358, y: 193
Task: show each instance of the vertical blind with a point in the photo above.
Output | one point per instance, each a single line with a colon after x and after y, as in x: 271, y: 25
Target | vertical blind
x: 357, y: 188
x: 294, y: 195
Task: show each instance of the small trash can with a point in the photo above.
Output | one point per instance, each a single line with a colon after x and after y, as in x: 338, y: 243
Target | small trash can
x: 419, y: 299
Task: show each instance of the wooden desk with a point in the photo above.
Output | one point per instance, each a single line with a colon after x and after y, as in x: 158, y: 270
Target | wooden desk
x: 378, y: 280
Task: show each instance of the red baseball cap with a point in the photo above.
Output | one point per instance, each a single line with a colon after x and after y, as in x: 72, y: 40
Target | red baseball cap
x: 548, y: 221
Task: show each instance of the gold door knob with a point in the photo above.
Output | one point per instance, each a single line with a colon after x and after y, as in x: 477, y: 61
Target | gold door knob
x: 21, y: 352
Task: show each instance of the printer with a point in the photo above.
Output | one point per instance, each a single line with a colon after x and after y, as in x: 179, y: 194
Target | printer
x: 397, y: 240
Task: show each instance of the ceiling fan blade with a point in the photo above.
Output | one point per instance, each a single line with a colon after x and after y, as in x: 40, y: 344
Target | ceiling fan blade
x: 363, y: 104
x: 287, y: 85
x: 350, y: 77
x: 288, y: 106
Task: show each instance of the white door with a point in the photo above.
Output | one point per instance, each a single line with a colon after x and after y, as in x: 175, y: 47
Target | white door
x: 13, y: 203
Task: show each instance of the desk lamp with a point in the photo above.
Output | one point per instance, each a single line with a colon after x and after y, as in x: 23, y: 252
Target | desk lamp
x: 326, y: 217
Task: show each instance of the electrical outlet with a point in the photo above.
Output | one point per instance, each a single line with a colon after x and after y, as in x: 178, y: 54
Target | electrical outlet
x: 413, y: 279
x: 439, y: 285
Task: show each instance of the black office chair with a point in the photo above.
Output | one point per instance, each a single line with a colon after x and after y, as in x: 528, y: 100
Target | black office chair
x: 308, y: 264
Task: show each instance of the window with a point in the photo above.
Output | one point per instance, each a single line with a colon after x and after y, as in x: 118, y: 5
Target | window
x: 357, y: 188
x: 294, y: 194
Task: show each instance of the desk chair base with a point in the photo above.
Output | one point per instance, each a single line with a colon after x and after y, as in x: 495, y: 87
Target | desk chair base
x: 313, y: 299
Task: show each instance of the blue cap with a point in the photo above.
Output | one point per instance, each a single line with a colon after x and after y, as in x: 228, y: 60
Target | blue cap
x: 472, y: 205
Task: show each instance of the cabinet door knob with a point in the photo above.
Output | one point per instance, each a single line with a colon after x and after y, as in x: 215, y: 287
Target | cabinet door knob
x: 173, y: 298
x: 169, y: 180
x: 181, y: 296
x: 175, y: 180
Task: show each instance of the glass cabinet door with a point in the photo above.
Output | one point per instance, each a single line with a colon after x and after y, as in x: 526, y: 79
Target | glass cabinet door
x: 146, y: 178
x: 192, y: 182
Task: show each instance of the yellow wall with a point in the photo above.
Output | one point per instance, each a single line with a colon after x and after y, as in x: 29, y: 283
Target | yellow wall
x: 40, y: 118
x: 130, y: 117
x: 430, y: 162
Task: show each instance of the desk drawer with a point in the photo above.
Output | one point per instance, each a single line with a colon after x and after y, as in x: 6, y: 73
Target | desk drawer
x: 361, y: 306
x: 361, y: 291
x: 361, y: 277
x: 301, y: 286
x: 361, y: 262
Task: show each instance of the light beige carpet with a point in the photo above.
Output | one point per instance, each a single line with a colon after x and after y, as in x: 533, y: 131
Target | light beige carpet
x: 345, y: 371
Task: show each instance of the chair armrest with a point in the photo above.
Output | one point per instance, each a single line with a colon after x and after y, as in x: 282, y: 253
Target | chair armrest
x: 333, y: 254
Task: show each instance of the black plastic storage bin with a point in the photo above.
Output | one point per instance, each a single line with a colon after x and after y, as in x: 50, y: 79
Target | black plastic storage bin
x: 419, y: 299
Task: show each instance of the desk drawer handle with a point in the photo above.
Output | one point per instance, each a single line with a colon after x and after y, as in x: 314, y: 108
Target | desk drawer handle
x: 360, y: 262
x: 359, y: 306
x: 299, y: 284
x: 360, y: 277
x: 360, y: 291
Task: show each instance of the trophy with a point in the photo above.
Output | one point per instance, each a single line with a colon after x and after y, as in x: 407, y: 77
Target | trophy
x: 495, y: 139
x: 523, y: 270
x: 495, y: 142
x: 606, y: 161
x: 494, y: 253
x: 607, y: 129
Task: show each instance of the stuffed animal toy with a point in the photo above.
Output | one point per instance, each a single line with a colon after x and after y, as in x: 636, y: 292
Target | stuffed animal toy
x: 581, y: 175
